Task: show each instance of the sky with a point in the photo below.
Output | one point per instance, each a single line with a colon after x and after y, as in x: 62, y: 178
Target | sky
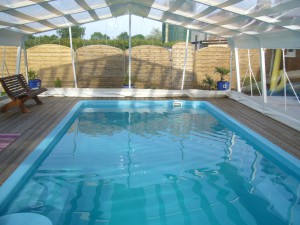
x: 114, y: 26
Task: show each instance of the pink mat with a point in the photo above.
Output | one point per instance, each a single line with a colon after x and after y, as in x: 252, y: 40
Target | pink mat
x: 6, y: 139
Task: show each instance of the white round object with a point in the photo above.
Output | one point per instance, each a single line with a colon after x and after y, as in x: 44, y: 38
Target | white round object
x: 24, y: 219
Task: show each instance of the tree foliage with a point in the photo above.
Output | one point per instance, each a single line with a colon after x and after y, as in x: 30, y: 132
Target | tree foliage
x: 123, y: 36
x: 155, y: 34
x: 138, y: 36
x: 77, y: 32
x: 99, y: 36
x: 99, y: 39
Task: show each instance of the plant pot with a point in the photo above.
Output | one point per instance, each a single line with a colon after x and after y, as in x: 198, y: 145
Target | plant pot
x: 127, y: 86
x: 34, y: 84
x: 223, y: 85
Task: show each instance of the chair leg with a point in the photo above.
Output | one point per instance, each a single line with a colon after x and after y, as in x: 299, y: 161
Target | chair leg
x: 22, y: 106
x: 37, y: 100
x: 8, y: 106
x: 14, y: 103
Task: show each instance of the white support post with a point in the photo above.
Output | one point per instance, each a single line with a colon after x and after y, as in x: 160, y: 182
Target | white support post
x: 2, y: 68
x: 237, y: 69
x: 263, y: 75
x: 3, y: 61
x: 286, y: 78
x: 231, y: 54
x: 73, y: 58
x: 185, y: 58
x: 250, y: 72
x: 251, y: 75
x: 129, y: 54
x: 18, y: 62
x: 25, y: 61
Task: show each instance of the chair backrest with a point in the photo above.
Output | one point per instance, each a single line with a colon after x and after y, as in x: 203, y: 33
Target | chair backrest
x: 14, y: 85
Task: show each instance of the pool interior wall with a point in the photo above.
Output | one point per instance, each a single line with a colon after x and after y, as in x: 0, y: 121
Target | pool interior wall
x: 272, y: 151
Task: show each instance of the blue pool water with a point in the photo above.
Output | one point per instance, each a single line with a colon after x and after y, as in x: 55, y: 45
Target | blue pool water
x: 138, y: 163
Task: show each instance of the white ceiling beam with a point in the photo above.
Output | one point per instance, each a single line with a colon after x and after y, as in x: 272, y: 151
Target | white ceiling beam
x: 87, y: 8
x: 18, y: 14
x: 143, y: 8
x: 226, y: 7
x: 29, y: 3
x: 279, y: 8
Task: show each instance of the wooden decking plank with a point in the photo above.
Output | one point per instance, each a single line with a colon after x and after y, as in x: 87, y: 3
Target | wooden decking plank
x: 267, y: 127
x: 262, y: 123
x: 12, y: 118
x: 31, y: 137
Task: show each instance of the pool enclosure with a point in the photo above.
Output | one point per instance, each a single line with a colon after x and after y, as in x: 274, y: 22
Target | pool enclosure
x: 260, y: 25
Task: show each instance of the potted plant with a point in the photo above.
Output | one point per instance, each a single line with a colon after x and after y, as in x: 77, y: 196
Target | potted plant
x: 33, y: 82
x: 222, y: 84
x: 126, y: 81
x: 57, y: 82
x: 208, y: 82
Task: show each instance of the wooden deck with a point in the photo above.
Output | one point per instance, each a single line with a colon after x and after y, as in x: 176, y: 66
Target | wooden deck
x: 35, y: 126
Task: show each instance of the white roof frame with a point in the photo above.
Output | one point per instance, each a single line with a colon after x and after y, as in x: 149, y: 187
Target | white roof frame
x: 245, y: 23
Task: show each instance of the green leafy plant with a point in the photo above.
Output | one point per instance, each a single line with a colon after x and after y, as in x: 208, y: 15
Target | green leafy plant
x: 32, y: 74
x: 208, y: 82
x: 126, y: 79
x: 57, y: 82
x: 222, y: 71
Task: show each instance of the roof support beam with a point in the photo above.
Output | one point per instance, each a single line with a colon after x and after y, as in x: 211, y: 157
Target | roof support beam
x: 25, y: 61
x: 73, y: 58
x: 231, y: 70
x: 129, y: 53
x: 72, y: 20
x: 263, y: 75
x: 33, y: 2
x: 279, y: 8
x: 50, y: 8
x: 264, y: 12
x: 18, y: 61
x: 87, y: 8
x: 23, y: 16
x: 185, y: 57
x: 237, y: 69
x: 3, y: 64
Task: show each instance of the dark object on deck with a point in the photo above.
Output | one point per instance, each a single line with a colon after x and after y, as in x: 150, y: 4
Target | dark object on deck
x: 18, y: 90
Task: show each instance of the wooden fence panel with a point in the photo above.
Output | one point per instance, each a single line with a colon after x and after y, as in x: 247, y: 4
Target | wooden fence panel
x: 178, y: 54
x: 206, y: 59
x: 51, y: 62
x: 10, y: 55
x: 100, y: 66
x: 150, y: 67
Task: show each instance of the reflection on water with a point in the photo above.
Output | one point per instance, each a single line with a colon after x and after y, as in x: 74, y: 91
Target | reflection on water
x: 168, y: 167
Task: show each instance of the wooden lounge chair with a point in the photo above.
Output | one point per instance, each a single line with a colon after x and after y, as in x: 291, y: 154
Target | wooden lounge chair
x: 18, y: 90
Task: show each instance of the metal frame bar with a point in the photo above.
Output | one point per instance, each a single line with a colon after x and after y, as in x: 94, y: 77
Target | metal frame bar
x: 72, y: 55
x: 129, y: 53
x: 18, y: 61
x: 263, y: 75
x: 185, y: 58
x: 237, y: 69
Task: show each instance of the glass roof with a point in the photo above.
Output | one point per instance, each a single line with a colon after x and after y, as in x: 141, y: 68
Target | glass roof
x: 225, y: 18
